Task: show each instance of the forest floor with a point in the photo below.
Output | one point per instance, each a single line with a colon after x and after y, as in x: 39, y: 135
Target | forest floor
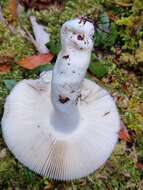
x: 116, y: 64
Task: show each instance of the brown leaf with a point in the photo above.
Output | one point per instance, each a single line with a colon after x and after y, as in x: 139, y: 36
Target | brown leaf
x: 112, y: 16
x: 41, y: 4
x: 36, y: 60
x: 5, y: 64
x: 49, y: 186
x: 5, y: 69
x: 13, y: 9
x: 117, y: 56
x: 139, y: 166
x: 123, y: 133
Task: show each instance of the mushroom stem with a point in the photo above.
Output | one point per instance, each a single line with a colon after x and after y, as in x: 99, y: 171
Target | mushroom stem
x: 68, y: 75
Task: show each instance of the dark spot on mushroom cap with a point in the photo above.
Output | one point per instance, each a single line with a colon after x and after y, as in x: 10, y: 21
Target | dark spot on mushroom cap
x: 65, y: 56
x: 68, y: 63
x: 80, y: 37
x: 106, y: 113
x: 73, y: 72
x: 63, y: 99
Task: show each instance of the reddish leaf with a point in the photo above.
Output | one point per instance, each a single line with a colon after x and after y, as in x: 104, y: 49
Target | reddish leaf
x: 5, y: 63
x: 36, y: 60
x: 41, y: 4
x: 139, y: 166
x: 123, y: 133
x: 5, y: 69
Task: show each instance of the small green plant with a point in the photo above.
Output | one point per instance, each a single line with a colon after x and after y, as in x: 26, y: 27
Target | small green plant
x: 53, y: 47
x: 9, y: 84
x: 106, y: 32
x: 98, y: 67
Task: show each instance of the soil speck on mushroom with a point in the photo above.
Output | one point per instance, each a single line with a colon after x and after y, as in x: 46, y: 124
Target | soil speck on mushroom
x: 106, y: 113
x: 63, y: 99
x: 65, y: 56
x: 80, y: 37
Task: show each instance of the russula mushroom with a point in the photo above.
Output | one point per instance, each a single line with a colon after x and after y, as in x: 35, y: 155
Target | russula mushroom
x: 62, y: 125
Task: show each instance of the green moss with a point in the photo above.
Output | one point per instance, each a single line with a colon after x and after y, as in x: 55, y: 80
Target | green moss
x: 13, y: 175
x: 14, y: 45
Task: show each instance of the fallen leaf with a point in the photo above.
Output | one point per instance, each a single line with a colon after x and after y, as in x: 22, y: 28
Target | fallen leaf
x: 41, y: 4
x: 5, y: 69
x: 5, y: 64
x: 83, y: 183
x: 118, y: 52
x: 36, y: 60
x: 49, y: 186
x: 139, y: 166
x: 123, y: 133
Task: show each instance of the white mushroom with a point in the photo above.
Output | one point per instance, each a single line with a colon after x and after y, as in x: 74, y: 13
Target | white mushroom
x: 62, y: 125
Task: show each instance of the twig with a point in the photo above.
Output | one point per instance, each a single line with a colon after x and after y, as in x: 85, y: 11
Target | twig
x: 28, y: 36
x: 2, y: 19
x: 122, y: 4
x: 22, y: 31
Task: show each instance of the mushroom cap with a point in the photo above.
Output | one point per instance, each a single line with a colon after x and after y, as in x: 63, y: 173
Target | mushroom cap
x: 36, y: 143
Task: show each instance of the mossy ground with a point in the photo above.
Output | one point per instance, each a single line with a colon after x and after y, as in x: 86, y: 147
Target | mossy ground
x: 123, y: 81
